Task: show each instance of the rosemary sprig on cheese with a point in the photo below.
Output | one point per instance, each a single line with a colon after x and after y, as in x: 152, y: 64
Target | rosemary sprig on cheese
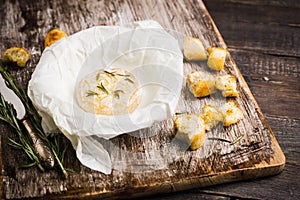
x: 102, y: 88
x: 117, y: 93
x: 110, y: 73
x: 129, y: 80
x: 91, y: 93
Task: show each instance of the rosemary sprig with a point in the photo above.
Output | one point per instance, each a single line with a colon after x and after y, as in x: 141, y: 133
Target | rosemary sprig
x: 117, y: 93
x: 129, y: 80
x: 237, y: 139
x: 91, y: 93
x: 125, y: 75
x: 101, y: 87
x: 181, y: 113
x: 115, y: 73
x: 35, y: 119
x: 110, y: 73
x: 228, y: 141
x: 8, y: 114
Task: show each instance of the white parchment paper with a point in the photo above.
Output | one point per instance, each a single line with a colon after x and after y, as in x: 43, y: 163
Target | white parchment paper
x: 146, y: 50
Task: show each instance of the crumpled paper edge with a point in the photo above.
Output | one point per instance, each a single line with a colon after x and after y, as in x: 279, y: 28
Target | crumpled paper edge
x: 50, y: 122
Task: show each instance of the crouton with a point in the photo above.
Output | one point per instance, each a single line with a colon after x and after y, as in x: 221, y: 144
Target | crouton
x: 211, y: 116
x: 16, y: 55
x: 227, y: 84
x: 53, y: 36
x: 231, y: 113
x: 201, y: 83
x: 191, y: 129
x: 193, y: 49
x: 216, y: 58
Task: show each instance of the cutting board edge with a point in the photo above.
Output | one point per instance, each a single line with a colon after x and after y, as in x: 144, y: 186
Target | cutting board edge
x: 186, y: 184
x: 275, y: 167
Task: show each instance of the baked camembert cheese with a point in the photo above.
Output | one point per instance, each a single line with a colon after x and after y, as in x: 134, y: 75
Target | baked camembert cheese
x: 109, y: 92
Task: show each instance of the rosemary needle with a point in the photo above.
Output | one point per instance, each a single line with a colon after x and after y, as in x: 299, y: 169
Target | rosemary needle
x: 126, y: 75
x: 117, y: 93
x: 91, y: 93
x: 110, y: 73
x: 101, y: 87
x: 180, y: 113
x: 228, y: 141
x: 129, y: 80
x: 237, y: 139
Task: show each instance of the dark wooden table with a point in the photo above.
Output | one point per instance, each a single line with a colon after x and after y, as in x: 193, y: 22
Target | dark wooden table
x: 264, y: 38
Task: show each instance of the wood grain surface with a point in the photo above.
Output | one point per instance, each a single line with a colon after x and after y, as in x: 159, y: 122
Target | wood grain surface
x: 174, y: 169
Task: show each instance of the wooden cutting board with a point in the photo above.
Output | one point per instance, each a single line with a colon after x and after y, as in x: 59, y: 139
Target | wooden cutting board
x: 147, y: 161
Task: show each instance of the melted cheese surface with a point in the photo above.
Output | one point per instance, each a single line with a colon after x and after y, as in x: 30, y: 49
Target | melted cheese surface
x: 108, y: 92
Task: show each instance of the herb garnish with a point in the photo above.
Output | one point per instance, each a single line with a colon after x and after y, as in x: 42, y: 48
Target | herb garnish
x: 91, y: 93
x: 126, y: 75
x: 180, y: 113
x: 101, y: 87
x: 110, y: 73
x: 228, y: 141
x: 117, y: 93
x: 8, y: 114
x: 115, y: 73
x: 97, y: 76
x: 129, y: 80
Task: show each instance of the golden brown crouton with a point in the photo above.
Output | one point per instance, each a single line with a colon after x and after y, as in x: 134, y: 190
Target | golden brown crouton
x: 191, y: 129
x: 16, y: 55
x: 193, y: 49
x: 211, y: 116
x: 201, y: 83
x: 227, y: 84
x: 216, y: 58
x: 231, y: 113
x: 53, y: 36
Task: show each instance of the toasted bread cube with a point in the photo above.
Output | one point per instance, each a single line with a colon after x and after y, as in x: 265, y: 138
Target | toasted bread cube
x: 229, y: 93
x: 16, y: 55
x: 211, y: 116
x: 231, y: 113
x: 193, y: 49
x: 216, y: 58
x: 201, y: 83
x: 53, y: 36
x: 191, y: 129
x: 227, y: 84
